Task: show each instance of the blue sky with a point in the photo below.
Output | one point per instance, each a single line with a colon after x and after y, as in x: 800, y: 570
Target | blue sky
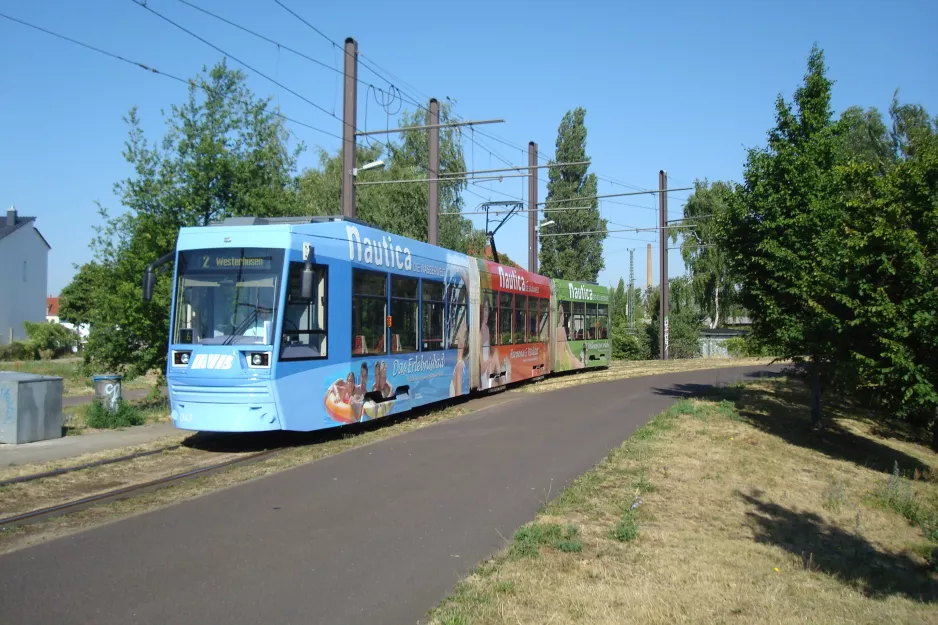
x: 681, y: 86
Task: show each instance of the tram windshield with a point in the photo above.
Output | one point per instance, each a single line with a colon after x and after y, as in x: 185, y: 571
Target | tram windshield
x: 227, y: 296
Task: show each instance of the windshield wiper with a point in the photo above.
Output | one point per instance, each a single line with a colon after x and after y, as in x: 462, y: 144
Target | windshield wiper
x: 241, y: 327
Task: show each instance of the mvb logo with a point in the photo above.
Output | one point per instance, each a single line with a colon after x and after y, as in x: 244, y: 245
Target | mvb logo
x: 212, y: 361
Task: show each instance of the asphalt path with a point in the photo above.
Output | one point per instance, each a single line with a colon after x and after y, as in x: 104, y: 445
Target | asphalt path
x: 377, y: 534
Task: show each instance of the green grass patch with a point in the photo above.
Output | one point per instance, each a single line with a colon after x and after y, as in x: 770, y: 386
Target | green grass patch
x: 529, y: 539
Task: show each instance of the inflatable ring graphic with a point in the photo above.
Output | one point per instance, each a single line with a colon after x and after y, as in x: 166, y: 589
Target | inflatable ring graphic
x: 337, y: 409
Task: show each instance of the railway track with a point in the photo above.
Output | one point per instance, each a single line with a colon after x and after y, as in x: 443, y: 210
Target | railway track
x: 125, y: 492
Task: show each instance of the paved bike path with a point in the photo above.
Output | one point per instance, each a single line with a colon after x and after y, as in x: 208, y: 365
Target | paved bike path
x: 378, y: 534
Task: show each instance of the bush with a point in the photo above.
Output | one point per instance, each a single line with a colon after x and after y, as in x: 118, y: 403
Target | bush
x: 97, y: 416
x: 747, y: 347
x: 17, y: 350
x: 626, y: 346
x: 49, y: 340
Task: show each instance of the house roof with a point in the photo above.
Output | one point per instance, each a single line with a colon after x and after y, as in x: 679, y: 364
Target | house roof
x: 20, y: 222
x: 52, y: 306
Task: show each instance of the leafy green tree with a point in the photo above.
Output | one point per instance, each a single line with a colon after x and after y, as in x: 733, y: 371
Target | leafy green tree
x: 684, y: 321
x: 619, y: 303
x: 399, y: 208
x: 572, y: 256
x: 77, y: 299
x: 708, y: 262
x: 865, y: 138
x: 224, y: 153
x: 785, y: 233
x: 890, y: 254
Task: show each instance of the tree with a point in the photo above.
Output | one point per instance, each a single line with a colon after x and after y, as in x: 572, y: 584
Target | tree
x: 865, y: 138
x: 619, y: 303
x: 785, y: 233
x: 684, y: 321
x: 77, y: 299
x: 399, y: 208
x: 891, y: 267
x: 708, y: 262
x: 572, y: 256
x: 224, y: 154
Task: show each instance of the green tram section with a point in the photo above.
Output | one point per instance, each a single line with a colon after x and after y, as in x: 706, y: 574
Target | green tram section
x: 582, y: 337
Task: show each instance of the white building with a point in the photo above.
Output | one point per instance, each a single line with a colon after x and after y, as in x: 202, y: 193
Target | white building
x: 24, y: 275
x: 52, y: 316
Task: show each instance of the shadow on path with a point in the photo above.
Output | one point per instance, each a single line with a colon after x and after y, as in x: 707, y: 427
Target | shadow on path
x: 850, y: 558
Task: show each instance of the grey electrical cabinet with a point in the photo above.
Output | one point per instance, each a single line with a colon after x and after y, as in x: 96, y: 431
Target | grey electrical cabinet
x: 30, y: 407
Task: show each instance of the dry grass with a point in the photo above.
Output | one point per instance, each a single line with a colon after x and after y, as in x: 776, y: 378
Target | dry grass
x: 743, y: 516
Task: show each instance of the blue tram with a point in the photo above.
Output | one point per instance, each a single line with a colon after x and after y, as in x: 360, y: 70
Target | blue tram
x: 309, y: 323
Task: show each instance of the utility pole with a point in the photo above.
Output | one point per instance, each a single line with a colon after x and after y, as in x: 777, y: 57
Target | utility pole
x: 663, y: 326
x: 631, y: 298
x: 349, y: 122
x: 433, y: 212
x: 532, y: 207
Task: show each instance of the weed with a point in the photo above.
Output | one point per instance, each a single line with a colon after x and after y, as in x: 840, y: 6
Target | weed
x: 626, y: 530
x: 899, y: 497
x: 97, y: 416
x: 504, y: 587
x: 642, y: 485
x: 834, y: 496
x: 529, y: 539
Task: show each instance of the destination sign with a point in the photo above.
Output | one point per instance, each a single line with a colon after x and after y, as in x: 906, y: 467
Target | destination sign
x: 243, y: 258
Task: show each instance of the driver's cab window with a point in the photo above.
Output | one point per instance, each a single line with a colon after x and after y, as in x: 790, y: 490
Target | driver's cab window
x: 304, y: 320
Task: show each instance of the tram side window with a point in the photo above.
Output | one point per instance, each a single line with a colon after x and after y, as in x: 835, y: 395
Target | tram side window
x: 603, y: 321
x: 431, y: 331
x: 505, y: 315
x: 489, y: 321
x: 404, y: 306
x: 369, y: 312
x: 579, y: 321
x: 457, y: 327
x: 592, y: 329
x: 532, y: 318
x: 521, y: 302
x: 304, y: 320
x: 543, y: 331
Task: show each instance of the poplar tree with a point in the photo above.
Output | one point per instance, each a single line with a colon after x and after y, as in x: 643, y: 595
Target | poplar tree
x: 572, y: 256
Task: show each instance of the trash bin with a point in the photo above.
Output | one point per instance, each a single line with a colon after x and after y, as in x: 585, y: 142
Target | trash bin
x: 107, y: 388
x: 30, y: 407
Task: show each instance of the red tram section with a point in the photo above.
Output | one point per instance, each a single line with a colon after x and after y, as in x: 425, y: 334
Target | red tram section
x: 514, y: 325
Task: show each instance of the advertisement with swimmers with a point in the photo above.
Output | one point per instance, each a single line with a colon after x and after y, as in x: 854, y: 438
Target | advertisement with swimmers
x: 375, y: 386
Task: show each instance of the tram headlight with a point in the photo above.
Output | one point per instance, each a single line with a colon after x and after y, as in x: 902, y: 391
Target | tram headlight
x: 181, y: 359
x: 184, y: 358
x: 258, y: 359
